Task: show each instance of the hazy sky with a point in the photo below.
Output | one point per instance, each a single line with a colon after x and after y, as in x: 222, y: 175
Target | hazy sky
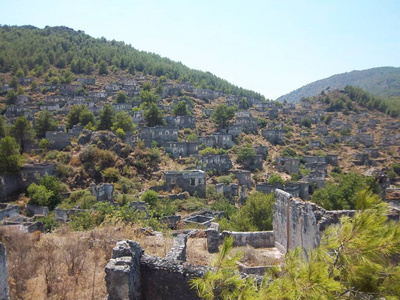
x: 271, y: 47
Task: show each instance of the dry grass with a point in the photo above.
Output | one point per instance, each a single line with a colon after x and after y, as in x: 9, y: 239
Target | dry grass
x: 66, y: 264
x: 259, y: 257
x: 197, y: 253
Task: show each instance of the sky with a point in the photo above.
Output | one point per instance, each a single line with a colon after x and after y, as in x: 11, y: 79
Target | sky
x: 271, y: 47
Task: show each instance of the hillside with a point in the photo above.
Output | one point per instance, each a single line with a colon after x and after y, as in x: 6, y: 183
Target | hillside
x: 100, y: 142
x: 383, y: 82
x: 34, y: 50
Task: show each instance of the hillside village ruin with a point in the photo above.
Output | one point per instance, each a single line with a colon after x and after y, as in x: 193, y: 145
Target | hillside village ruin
x: 132, y: 274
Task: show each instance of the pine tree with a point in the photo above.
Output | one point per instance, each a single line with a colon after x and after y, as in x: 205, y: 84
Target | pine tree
x: 44, y: 122
x: 23, y: 132
x: 106, y: 118
x: 10, y: 158
x: 153, y: 115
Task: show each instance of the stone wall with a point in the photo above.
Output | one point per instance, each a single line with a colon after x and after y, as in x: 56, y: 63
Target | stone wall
x: 130, y: 274
x: 298, y: 223
x: 256, y: 239
x: 3, y: 274
x: 8, y: 211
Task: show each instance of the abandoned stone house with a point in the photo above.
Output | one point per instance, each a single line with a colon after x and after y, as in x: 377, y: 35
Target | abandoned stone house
x: 103, y: 192
x: 185, y: 122
x: 321, y: 130
x: 215, y: 162
x: 67, y: 89
x: 87, y: 80
x: 122, y: 107
x: 234, y: 130
x: 275, y: 137
x: 56, y: 99
x: 246, y: 121
x: 243, y: 177
x: 217, y: 140
x: 97, y: 95
x: 191, y: 181
x: 229, y: 191
x: 329, y: 140
x: 59, y: 140
x: 29, y: 173
x: 127, y: 82
x: 366, y: 139
x: 23, y: 100
x: 18, y: 111
x: 287, y: 164
x: 372, y: 152
x: 138, y: 117
x: 297, y: 189
x: 25, y: 80
x: 160, y: 133
x: 182, y: 149
x: 204, y: 94
x: 50, y: 107
x: 261, y: 150
x: 253, y: 163
x: 315, y: 144
x: 5, y: 88
x: 112, y: 88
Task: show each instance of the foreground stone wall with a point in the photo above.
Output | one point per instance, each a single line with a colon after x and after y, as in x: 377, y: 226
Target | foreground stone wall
x: 130, y: 274
x: 256, y: 239
x: 298, y: 223
x: 3, y: 274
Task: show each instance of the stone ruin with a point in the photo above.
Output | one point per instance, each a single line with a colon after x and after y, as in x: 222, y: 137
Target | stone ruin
x: 4, y: 290
x: 131, y: 274
x: 192, y: 181
x: 103, y: 192
x: 182, y: 149
x: 11, y: 184
x: 215, y: 162
x: 256, y: 239
x: 275, y: 137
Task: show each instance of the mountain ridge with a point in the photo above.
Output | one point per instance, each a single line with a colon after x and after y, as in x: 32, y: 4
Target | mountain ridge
x: 380, y: 81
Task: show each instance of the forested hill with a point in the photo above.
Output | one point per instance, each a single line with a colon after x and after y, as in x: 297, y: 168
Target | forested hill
x: 383, y: 82
x: 35, y: 50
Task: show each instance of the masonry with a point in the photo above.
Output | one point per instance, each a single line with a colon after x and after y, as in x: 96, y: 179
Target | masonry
x: 131, y: 274
x: 3, y: 274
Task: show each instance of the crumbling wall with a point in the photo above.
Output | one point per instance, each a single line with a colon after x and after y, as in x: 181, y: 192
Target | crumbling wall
x: 130, y: 274
x: 166, y: 279
x: 256, y: 239
x: 3, y: 274
x: 123, y: 278
x: 298, y: 223
x: 8, y: 211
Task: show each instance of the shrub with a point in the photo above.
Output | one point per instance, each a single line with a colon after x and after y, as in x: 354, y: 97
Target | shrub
x: 226, y: 179
x: 111, y: 174
x: 150, y: 197
x: 276, y: 178
x: 213, y: 151
x: 39, y: 195
x: 246, y: 153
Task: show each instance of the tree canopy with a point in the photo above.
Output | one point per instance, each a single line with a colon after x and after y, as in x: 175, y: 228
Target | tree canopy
x: 44, y: 122
x: 223, y: 114
x: 35, y: 50
x: 10, y: 158
x: 153, y: 115
x: 355, y: 260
